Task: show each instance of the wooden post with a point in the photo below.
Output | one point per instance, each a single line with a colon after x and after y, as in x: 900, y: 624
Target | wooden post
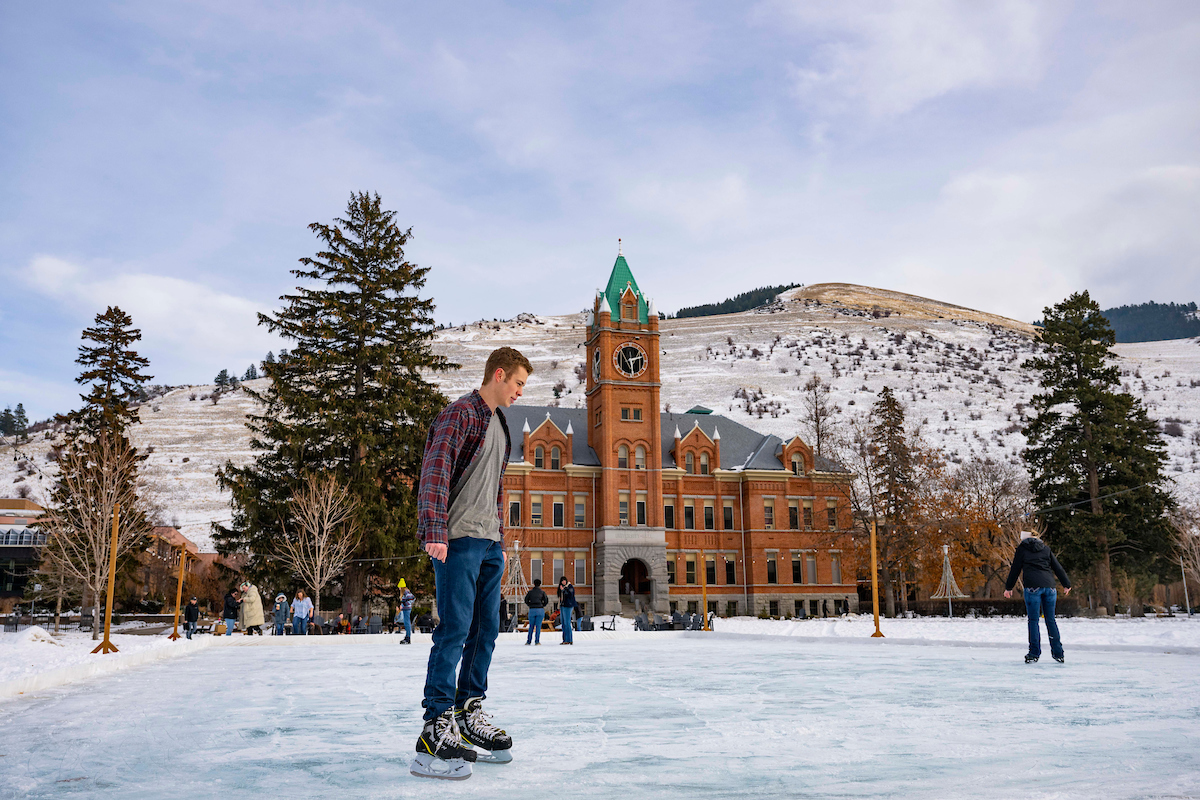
x: 179, y: 591
x: 107, y: 646
x: 875, y: 584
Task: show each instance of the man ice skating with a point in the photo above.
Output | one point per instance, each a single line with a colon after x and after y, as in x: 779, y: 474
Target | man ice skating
x: 460, y: 523
x: 407, y: 599
x: 191, y: 615
x: 537, y: 601
x: 1038, y: 567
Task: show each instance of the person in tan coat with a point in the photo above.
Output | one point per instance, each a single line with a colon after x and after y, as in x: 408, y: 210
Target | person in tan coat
x: 250, y: 610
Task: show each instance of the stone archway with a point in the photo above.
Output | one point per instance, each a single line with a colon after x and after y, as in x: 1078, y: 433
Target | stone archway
x: 615, y: 548
x: 636, y: 586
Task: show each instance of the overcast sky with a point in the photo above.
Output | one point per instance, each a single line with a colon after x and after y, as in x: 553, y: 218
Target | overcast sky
x: 168, y: 157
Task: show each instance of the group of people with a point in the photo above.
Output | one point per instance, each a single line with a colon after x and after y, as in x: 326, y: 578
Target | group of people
x: 568, y: 607
x: 242, y: 608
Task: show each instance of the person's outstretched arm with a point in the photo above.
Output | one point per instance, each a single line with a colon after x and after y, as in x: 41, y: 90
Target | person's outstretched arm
x: 1014, y: 572
x: 1060, y: 573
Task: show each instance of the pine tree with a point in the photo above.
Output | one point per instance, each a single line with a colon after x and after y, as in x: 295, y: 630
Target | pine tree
x: 112, y: 369
x: 1088, y: 440
x: 222, y: 379
x: 251, y: 373
x: 893, y: 465
x: 8, y: 423
x: 350, y: 398
x: 20, y: 423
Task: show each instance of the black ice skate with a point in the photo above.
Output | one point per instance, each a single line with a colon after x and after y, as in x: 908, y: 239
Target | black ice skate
x: 1030, y: 659
x: 440, y: 753
x: 476, y: 729
x: 1061, y: 659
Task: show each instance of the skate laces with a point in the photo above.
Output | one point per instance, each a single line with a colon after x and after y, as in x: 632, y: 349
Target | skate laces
x: 445, y: 730
x: 480, y: 721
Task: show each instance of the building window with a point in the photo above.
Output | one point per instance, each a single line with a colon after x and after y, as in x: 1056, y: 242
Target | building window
x: 808, y: 515
x: 730, y: 571
x: 539, y: 458
x: 814, y: 608
x: 668, y: 515
x: 693, y: 607
x: 637, y: 415
x: 689, y: 516
x: 690, y: 462
x: 768, y: 514
x: 558, y: 510
x: 691, y: 569
x: 535, y: 511
x: 709, y: 520
x: 629, y: 311
x: 641, y: 509
x: 598, y: 418
x: 831, y: 513
x: 797, y: 464
x: 623, y: 509
x: 622, y: 457
x: 772, y: 570
x: 704, y: 463
x: 535, y: 566
x: 710, y: 570
x: 555, y: 458
x: 731, y: 608
x: 580, y: 514
x: 811, y: 563
x: 639, y: 457
x: 773, y: 608
x: 800, y: 609
x: 728, y: 515
x: 514, y: 513
x: 835, y: 568
x: 671, y: 570
x: 580, y: 570
x: 797, y: 568
x: 793, y: 515
x: 558, y: 568
x: 624, y: 413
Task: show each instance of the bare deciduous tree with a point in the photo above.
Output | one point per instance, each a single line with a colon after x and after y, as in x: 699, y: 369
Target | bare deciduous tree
x: 1185, y: 520
x: 819, y: 415
x: 326, y: 535
x: 95, y: 477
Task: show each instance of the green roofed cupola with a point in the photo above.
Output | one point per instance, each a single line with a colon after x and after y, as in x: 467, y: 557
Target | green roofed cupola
x: 620, y: 284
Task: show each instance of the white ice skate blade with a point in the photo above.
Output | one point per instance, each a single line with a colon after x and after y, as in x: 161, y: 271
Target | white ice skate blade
x: 493, y: 756
x: 429, y: 766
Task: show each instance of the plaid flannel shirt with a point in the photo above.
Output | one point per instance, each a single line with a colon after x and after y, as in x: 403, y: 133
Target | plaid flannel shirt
x: 455, y: 439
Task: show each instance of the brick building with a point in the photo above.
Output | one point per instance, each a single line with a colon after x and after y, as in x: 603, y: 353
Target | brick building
x: 640, y: 507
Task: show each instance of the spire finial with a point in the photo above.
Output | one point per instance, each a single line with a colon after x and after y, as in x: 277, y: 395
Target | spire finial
x: 618, y: 247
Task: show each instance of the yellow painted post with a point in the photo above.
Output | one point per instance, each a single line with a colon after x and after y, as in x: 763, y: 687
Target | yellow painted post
x: 704, y: 588
x: 179, y: 591
x: 875, y: 584
x: 107, y: 646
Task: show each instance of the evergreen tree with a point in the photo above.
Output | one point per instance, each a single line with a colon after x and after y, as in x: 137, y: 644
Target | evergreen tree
x: 112, y: 369
x: 893, y: 464
x: 8, y: 423
x: 1088, y: 440
x: 20, y: 423
x: 222, y: 379
x: 251, y: 373
x: 350, y: 398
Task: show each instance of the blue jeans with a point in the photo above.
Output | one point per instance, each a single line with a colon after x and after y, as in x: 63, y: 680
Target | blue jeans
x: 536, y: 617
x: 567, y: 628
x: 229, y: 623
x: 468, y: 603
x: 1037, y: 602
x: 300, y: 626
x: 188, y: 627
x: 279, y: 628
x: 406, y: 618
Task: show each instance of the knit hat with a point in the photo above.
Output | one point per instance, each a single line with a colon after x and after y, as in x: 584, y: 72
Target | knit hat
x: 1027, y: 535
x: 401, y: 584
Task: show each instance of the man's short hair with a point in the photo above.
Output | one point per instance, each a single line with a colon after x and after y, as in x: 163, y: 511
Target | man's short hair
x: 537, y: 581
x: 507, y: 359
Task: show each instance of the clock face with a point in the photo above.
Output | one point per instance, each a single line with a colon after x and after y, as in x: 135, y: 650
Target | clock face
x: 596, y: 365
x: 630, y: 360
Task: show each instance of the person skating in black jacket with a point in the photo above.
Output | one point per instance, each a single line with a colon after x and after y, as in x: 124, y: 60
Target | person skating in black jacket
x: 229, y: 611
x: 537, y: 601
x: 1038, y: 568
x: 191, y: 615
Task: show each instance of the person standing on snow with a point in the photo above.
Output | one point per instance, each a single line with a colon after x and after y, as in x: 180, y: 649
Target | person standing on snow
x: 567, y: 605
x: 280, y: 613
x: 229, y: 612
x: 407, y: 599
x: 191, y: 615
x: 1038, y: 567
x: 302, y: 609
x: 251, y: 612
x: 537, y: 601
x: 460, y: 523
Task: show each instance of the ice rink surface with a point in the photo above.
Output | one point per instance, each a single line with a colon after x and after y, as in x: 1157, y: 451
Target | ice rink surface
x: 659, y: 715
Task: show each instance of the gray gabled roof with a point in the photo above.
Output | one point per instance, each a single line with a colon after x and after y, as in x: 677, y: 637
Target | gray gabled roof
x: 741, y: 447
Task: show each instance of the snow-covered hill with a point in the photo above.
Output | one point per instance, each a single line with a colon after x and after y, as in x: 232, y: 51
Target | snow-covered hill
x: 958, y: 371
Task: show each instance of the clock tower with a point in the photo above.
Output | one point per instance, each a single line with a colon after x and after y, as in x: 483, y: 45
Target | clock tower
x: 624, y: 429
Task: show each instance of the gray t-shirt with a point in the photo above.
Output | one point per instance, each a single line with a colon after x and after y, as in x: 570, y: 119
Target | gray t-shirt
x: 473, y: 510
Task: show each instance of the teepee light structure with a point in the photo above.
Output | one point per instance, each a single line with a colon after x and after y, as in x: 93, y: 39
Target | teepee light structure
x: 947, y: 589
x: 513, y: 586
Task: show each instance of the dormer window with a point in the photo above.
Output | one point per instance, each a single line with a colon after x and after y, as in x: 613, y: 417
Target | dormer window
x: 629, y: 312
x: 691, y: 464
x: 797, y: 464
x: 539, y: 458
x: 555, y: 458
x: 704, y: 463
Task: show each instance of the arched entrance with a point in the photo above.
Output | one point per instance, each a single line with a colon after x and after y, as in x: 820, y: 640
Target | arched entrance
x: 636, y: 586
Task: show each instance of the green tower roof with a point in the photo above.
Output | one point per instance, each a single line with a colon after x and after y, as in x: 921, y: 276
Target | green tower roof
x: 620, y: 279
